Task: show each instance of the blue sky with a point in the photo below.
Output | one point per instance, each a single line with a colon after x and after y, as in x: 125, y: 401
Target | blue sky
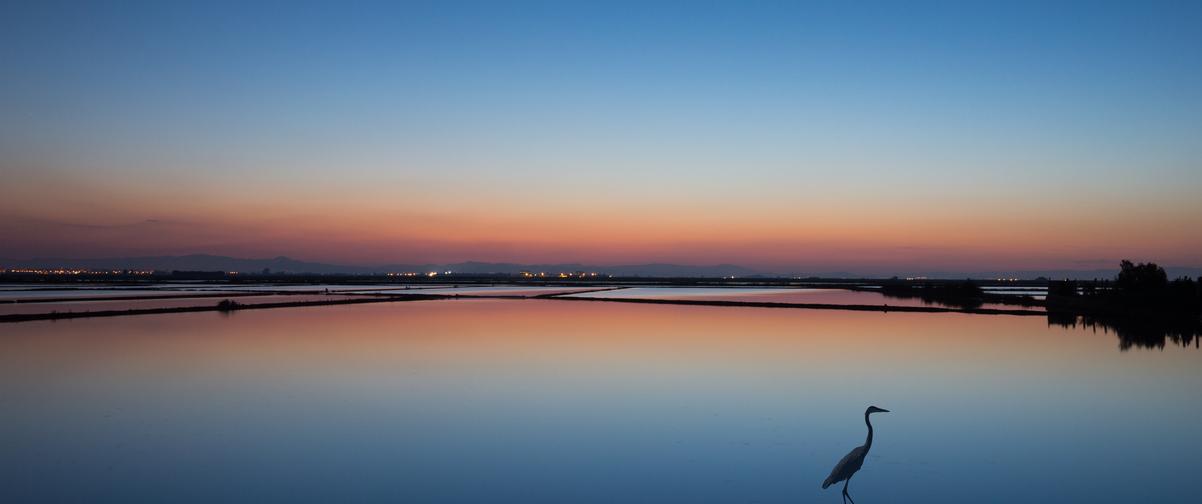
x: 966, y: 108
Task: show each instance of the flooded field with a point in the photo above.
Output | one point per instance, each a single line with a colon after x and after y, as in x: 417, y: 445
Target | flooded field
x: 552, y: 401
x: 774, y: 295
x: 143, y: 304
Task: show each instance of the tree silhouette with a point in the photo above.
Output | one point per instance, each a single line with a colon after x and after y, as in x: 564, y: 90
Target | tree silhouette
x: 1141, y: 278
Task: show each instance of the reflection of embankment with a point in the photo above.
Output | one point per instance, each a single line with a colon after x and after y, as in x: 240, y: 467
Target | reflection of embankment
x: 231, y: 302
x: 1137, y: 331
x: 146, y: 297
x: 228, y: 305
x: 224, y: 306
x: 812, y: 306
x: 957, y: 294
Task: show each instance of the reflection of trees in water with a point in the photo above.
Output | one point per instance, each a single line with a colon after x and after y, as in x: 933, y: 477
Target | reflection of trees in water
x: 1141, y: 305
x: 953, y: 294
x: 1138, y: 332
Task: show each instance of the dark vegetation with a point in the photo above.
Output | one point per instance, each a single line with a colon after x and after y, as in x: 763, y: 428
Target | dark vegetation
x: 1138, y: 289
x: 228, y: 305
x: 965, y: 294
x: 1141, y: 305
x: 1135, y: 332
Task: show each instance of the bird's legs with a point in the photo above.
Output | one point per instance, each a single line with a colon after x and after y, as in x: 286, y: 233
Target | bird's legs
x: 845, y: 494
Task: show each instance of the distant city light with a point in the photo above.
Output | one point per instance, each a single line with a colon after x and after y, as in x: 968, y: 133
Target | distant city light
x: 73, y: 271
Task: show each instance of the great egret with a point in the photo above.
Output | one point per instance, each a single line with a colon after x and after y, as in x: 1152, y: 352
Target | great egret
x: 851, y: 462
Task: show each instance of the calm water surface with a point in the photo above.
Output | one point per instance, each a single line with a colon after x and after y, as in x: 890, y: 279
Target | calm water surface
x: 141, y: 304
x: 776, y: 295
x: 502, y: 290
x: 40, y: 294
x: 555, y: 401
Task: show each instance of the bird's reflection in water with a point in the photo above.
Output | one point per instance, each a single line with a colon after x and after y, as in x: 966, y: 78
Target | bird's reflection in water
x: 847, y: 467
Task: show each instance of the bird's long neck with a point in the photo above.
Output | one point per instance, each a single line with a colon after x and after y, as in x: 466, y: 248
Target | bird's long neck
x: 868, y: 443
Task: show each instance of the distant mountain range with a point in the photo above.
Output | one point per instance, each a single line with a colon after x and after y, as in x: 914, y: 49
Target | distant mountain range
x: 282, y: 264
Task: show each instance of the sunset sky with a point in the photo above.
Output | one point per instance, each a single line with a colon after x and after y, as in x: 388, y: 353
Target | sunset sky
x: 792, y: 136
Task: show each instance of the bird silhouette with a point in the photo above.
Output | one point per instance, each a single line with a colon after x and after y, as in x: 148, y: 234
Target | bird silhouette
x: 847, y: 467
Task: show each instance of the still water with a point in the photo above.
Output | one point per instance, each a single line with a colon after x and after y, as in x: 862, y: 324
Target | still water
x: 485, y: 290
x: 556, y: 401
x: 34, y: 295
x: 66, y: 305
x: 777, y: 295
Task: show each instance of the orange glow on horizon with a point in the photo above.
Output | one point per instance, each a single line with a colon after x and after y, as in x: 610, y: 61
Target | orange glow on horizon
x: 824, y: 231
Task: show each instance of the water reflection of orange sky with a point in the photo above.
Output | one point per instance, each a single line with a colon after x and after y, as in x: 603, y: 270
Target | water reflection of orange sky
x: 550, y: 337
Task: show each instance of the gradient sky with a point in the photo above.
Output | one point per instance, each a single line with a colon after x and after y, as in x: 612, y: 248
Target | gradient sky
x: 783, y: 136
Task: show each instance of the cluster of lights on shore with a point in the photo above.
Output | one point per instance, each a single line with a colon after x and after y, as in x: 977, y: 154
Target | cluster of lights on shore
x: 543, y: 274
x: 995, y: 279
x: 430, y: 274
x: 524, y: 274
x: 415, y: 274
x: 70, y: 271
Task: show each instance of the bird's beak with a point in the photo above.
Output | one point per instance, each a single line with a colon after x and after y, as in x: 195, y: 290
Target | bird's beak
x: 883, y: 410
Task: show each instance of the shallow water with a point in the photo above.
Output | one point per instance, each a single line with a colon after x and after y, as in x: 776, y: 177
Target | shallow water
x: 1033, y: 292
x: 295, y: 287
x: 143, y: 304
x: 556, y: 401
x: 108, y: 292
x: 496, y: 290
x: 775, y: 295
x: 58, y: 285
